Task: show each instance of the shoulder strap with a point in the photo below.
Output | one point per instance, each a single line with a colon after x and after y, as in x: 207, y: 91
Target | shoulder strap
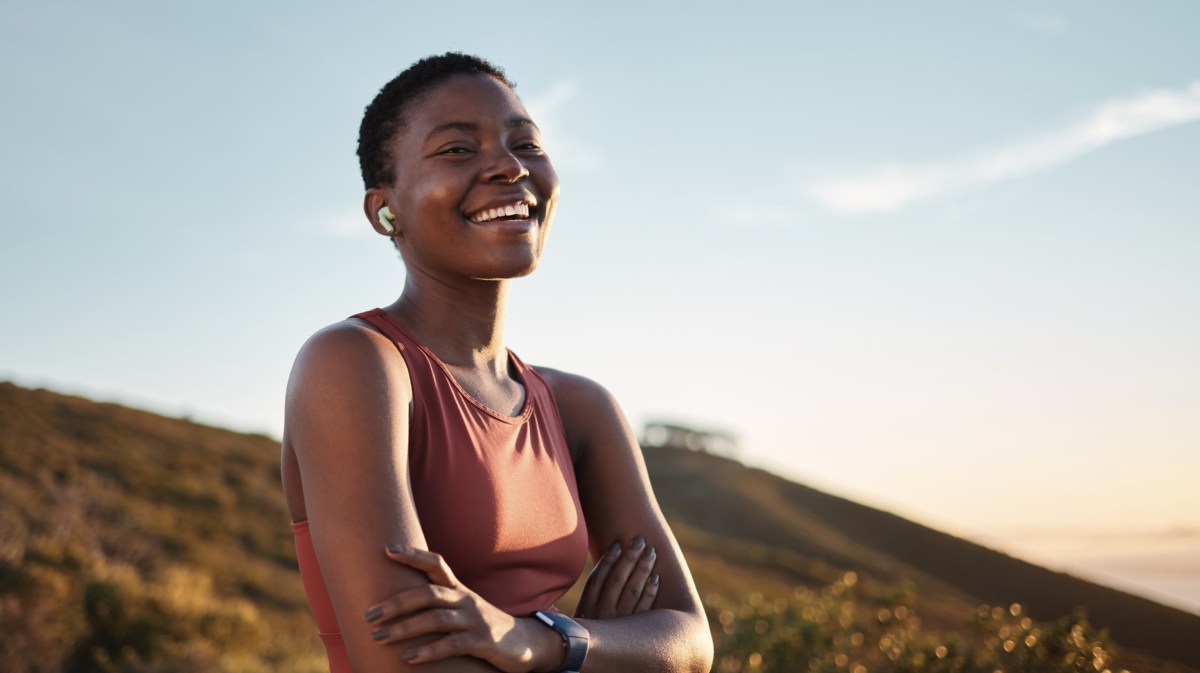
x: 384, y: 323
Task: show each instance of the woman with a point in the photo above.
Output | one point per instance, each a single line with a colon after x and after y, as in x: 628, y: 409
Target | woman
x: 413, y: 429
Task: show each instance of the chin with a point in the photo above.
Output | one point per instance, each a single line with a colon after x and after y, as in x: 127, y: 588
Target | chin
x: 509, y: 275
x: 511, y: 269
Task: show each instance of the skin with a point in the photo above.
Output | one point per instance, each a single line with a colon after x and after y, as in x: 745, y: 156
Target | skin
x: 345, y: 452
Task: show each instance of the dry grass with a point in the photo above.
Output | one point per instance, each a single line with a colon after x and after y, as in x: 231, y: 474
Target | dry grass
x: 134, y: 542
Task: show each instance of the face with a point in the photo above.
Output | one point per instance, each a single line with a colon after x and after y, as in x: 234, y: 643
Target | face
x: 474, y: 192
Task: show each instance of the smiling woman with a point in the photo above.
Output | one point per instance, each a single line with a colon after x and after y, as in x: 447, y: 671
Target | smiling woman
x: 444, y: 494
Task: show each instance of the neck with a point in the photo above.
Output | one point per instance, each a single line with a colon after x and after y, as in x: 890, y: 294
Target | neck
x: 463, y: 324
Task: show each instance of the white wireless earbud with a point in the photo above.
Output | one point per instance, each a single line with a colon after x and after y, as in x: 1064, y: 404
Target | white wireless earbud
x: 385, y: 219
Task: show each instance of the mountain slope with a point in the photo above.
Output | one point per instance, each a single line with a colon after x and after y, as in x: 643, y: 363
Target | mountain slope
x: 127, y: 538
x: 130, y: 537
x: 727, y: 501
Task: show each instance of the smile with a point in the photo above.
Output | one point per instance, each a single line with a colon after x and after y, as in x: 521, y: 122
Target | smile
x: 512, y: 211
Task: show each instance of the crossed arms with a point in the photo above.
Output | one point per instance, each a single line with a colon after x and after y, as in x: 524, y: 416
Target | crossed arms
x: 347, y: 437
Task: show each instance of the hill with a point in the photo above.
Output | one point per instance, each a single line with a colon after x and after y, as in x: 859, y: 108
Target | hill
x: 131, y: 541
x: 128, y: 537
x: 720, y: 507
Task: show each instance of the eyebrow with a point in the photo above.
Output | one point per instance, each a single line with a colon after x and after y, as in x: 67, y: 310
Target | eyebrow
x: 512, y: 123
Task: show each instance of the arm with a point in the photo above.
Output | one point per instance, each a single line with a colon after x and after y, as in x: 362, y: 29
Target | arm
x: 347, y: 423
x: 618, y: 503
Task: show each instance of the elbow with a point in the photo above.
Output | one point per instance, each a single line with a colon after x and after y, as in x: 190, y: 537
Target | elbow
x: 687, y: 647
x: 700, y: 647
x: 704, y: 653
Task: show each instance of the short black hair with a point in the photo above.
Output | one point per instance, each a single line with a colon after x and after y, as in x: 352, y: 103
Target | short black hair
x: 384, y: 117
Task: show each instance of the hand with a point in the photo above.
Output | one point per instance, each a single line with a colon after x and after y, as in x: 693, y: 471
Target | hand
x: 621, y: 583
x: 468, y: 624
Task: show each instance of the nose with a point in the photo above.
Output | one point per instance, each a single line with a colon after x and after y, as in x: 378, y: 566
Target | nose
x: 506, y: 167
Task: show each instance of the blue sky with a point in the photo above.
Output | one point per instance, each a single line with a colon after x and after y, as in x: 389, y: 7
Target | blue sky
x: 938, y: 257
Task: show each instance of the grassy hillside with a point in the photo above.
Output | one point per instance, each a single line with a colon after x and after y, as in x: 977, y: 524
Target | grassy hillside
x: 133, y: 542
x: 128, y: 537
x: 785, y: 533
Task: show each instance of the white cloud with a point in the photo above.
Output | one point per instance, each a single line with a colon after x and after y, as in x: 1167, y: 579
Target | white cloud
x: 566, y: 151
x: 890, y: 188
x: 548, y: 102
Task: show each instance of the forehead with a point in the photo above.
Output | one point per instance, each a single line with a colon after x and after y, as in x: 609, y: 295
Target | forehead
x: 479, y: 99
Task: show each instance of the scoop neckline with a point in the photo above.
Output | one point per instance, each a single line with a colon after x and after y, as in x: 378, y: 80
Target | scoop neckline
x: 526, y: 408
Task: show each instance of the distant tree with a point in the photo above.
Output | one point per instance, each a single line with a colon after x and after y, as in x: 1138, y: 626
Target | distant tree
x: 657, y: 434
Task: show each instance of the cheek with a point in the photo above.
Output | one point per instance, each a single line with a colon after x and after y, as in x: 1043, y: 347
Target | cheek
x: 549, y: 181
x: 546, y: 181
x: 443, y: 198
x: 547, y: 220
x: 434, y: 198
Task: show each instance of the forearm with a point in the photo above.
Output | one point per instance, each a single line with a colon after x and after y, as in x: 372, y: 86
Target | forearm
x: 397, y: 663
x: 666, y: 641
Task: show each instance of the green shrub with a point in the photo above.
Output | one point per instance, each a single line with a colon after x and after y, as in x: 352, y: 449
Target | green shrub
x: 835, y: 630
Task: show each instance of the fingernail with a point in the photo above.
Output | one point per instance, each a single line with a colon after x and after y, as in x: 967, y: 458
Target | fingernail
x: 374, y: 613
x: 650, y: 552
x: 379, y: 634
x: 654, y: 580
x: 638, y: 542
x: 395, y: 549
x: 409, y: 655
x: 615, y: 549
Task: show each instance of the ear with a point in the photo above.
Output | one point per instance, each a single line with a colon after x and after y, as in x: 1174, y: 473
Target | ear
x: 373, y: 201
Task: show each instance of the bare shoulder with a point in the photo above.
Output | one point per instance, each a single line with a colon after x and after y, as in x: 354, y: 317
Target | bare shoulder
x: 347, y: 342
x: 573, y: 389
x: 348, y: 351
x: 344, y: 371
x: 345, y: 388
x: 590, y: 414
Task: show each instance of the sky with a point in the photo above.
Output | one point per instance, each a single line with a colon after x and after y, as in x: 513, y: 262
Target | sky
x: 936, y: 257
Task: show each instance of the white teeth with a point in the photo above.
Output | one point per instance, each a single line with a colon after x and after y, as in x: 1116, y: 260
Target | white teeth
x: 516, y: 209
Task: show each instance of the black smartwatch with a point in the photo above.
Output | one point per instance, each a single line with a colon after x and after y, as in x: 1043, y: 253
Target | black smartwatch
x: 574, y: 635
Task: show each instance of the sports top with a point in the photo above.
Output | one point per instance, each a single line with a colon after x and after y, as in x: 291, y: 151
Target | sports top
x: 495, y: 494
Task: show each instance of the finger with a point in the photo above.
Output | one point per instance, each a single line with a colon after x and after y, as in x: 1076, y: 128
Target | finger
x: 463, y: 643
x: 595, y: 581
x: 441, y: 620
x: 618, y: 576
x: 636, y: 585
x: 428, y: 562
x: 420, y: 598
x: 647, y: 600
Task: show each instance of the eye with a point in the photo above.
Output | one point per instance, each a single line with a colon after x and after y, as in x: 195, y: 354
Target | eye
x: 529, y: 146
x: 457, y: 149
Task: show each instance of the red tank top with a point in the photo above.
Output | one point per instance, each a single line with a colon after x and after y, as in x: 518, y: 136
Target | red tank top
x: 495, y: 494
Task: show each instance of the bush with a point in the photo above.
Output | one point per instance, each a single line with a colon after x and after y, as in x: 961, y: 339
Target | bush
x: 74, y: 611
x: 833, y: 629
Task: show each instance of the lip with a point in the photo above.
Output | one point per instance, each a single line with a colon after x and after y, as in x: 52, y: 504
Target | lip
x: 515, y: 227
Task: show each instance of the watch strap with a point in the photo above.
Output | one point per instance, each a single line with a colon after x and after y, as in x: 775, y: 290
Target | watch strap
x: 573, y: 634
